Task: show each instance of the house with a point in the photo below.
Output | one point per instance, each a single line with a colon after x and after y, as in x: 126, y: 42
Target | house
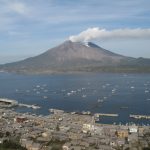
x: 2, y: 140
x: 75, y: 136
x: 122, y: 133
x: 98, y: 130
x: 42, y: 139
x: 87, y: 128
x: 28, y: 144
x: 104, y: 147
x: 64, y: 128
x: 46, y: 134
x: 66, y: 146
x: 84, y: 144
x: 141, y: 131
x: 75, y: 148
x: 35, y: 133
x: 120, y: 142
x: 20, y: 119
x: 71, y: 146
x: 35, y: 146
x: 133, y: 129
x: 112, y: 143
x: 23, y: 142
x: 133, y: 137
x: 60, y: 136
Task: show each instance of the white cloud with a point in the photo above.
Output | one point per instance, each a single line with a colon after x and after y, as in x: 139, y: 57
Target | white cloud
x: 97, y: 33
x: 17, y: 34
x: 14, y: 6
x: 18, y: 7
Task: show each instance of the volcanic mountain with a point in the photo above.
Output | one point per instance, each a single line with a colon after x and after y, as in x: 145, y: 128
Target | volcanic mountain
x: 76, y: 57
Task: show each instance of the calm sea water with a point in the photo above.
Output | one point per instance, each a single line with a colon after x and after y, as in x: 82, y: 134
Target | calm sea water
x: 123, y: 94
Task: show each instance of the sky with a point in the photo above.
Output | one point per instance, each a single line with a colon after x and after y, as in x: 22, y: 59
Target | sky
x: 30, y: 27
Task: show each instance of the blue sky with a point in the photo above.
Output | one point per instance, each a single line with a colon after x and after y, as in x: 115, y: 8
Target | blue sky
x: 30, y: 27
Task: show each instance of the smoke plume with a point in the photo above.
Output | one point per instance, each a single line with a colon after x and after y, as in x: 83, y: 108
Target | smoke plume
x: 103, y: 34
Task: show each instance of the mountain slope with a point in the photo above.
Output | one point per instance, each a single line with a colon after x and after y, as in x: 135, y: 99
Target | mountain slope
x: 72, y: 56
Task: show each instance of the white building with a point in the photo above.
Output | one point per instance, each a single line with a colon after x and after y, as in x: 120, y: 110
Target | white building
x: 133, y: 129
x: 87, y: 128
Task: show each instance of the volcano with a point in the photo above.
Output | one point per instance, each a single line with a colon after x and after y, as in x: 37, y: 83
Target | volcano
x: 77, y: 57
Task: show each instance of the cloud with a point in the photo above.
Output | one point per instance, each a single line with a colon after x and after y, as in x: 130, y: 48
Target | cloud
x: 103, y: 34
x: 18, y: 7
x: 20, y: 35
x: 14, y: 8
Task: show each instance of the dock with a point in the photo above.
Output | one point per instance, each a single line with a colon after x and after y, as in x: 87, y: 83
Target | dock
x: 29, y: 106
x: 140, y: 116
x: 107, y: 115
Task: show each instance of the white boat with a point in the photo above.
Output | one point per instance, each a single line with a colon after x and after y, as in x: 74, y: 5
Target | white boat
x: 107, y: 84
x: 100, y: 100
x: 146, y: 91
x: 79, y: 90
x: 132, y: 87
x: 68, y: 94
x: 113, y: 91
x: 83, y: 96
x: 45, y: 97
x: 35, y: 107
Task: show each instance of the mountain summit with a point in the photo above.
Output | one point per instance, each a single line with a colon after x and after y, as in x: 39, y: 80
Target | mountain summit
x: 70, y: 57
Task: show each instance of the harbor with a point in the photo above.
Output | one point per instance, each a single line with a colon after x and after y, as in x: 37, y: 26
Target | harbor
x: 49, y: 92
x: 10, y: 103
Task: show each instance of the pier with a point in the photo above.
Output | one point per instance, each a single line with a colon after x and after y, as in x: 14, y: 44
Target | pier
x: 108, y: 115
x: 29, y: 106
x: 140, y: 116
